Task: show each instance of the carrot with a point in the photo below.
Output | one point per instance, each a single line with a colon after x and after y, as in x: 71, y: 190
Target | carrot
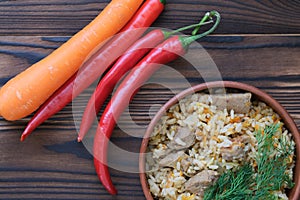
x: 23, y: 94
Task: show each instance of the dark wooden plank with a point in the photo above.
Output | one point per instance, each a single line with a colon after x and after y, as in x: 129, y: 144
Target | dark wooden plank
x: 267, y: 62
x: 271, y: 63
x: 55, y: 166
x: 228, y: 52
x: 50, y: 164
x: 54, y: 17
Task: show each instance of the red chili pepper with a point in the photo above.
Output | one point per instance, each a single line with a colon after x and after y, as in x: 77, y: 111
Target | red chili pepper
x: 169, y: 50
x: 97, y: 64
x: 108, y: 82
x: 127, y: 61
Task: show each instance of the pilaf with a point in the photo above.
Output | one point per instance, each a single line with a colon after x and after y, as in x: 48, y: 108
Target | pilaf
x: 199, y: 138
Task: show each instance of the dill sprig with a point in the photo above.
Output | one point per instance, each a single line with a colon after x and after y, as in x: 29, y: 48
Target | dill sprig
x: 232, y: 185
x: 273, y: 158
x: 272, y: 162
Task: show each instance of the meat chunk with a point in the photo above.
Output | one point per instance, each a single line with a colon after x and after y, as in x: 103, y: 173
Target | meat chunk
x: 198, y: 183
x: 186, y: 163
x: 233, y: 152
x: 236, y: 150
x: 239, y: 102
x: 162, y: 153
x: 183, y: 139
x: 171, y: 159
x: 242, y: 139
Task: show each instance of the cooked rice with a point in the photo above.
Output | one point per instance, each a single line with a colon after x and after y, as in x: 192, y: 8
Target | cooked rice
x: 214, y: 130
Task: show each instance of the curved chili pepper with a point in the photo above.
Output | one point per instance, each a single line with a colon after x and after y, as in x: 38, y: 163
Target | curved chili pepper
x: 121, y: 66
x: 166, y: 52
x: 97, y: 64
x: 108, y: 82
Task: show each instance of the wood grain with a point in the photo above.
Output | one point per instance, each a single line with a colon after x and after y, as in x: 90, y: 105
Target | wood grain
x: 258, y: 42
x: 52, y: 165
x: 54, y: 17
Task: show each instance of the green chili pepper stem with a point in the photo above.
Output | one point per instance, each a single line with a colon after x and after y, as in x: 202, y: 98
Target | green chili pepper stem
x: 163, y: 2
x: 186, y: 41
x: 167, y: 34
x: 201, y: 23
x: 206, y: 16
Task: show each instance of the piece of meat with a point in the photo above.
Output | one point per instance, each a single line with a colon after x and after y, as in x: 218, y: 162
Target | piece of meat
x: 233, y: 152
x: 185, y: 163
x: 183, y: 139
x: 171, y: 159
x: 198, y: 183
x: 243, y: 139
x: 236, y: 150
x: 239, y: 102
x: 162, y: 153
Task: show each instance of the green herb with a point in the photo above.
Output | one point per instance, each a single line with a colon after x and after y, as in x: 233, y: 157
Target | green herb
x: 272, y: 162
x: 232, y: 185
x: 273, y: 158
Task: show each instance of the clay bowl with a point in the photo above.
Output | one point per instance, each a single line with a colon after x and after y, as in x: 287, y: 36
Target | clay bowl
x: 293, y: 194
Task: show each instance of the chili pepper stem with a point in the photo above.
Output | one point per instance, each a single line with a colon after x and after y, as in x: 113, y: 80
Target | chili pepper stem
x: 168, y: 34
x: 186, y: 41
x: 201, y: 23
x: 163, y: 2
x: 206, y: 16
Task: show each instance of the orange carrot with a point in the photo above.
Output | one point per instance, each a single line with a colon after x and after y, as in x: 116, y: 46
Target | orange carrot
x: 23, y: 94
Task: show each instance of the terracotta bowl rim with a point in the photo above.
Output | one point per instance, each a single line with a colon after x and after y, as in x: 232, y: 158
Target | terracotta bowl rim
x: 261, y: 95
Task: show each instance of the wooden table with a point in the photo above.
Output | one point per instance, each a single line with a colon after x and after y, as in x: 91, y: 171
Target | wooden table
x: 257, y: 42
